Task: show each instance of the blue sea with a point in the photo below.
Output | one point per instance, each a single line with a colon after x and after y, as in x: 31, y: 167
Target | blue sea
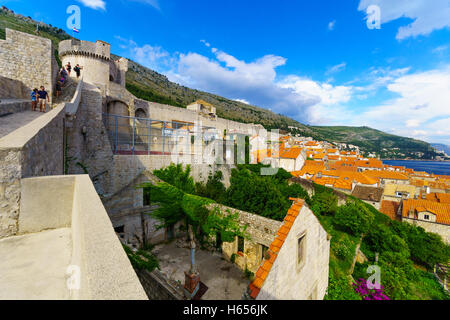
x: 436, y: 167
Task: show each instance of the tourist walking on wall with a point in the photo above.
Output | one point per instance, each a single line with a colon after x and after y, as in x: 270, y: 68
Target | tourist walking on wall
x: 63, y: 74
x: 68, y: 68
x: 58, y: 87
x: 77, y: 70
x: 34, y: 99
x: 43, y: 96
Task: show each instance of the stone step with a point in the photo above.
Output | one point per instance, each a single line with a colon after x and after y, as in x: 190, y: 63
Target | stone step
x: 10, y: 106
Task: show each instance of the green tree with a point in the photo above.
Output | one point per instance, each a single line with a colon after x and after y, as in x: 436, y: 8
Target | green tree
x: 178, y: 177
x: 213, y: 189
x: 324, y: 203
x: 354, y: 217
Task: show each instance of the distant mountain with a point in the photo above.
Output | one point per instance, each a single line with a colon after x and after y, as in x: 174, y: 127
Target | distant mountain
x: 441, y: 147
x: 387, y: 146
x: 149, y: 85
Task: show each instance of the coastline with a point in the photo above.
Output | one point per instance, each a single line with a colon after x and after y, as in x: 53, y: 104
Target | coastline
x: 421, y: 160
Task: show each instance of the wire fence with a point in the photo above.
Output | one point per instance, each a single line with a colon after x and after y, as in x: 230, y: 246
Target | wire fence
x: 143, y: 136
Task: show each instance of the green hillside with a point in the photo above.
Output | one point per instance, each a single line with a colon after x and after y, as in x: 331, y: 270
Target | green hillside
x: 149, y: 85
x: 371, y: 140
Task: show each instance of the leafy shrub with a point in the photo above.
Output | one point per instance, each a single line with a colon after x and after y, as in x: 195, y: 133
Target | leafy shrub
x: 324, y: 203
x: 142, y: 260
x: 339, y: 288
x: 178, y: 177
x: 354, y: 217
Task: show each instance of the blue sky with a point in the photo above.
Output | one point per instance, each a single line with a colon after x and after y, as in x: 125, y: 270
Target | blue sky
x: 315, y: 61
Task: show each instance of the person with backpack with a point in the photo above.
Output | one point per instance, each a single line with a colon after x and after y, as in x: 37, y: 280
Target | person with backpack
x: 68, y: 68
x: 77, y: 70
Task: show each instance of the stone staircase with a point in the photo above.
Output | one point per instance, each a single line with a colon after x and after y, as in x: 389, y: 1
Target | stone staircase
x: 67, y: 91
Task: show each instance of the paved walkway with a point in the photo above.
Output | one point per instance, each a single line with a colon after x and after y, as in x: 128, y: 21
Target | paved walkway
x: 33, y: 266
x: 14, y: 121
x: 225, y: 280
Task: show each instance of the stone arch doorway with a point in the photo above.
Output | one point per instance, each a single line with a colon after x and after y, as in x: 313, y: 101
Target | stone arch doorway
x: 140, y: 113
x: 121, y: 123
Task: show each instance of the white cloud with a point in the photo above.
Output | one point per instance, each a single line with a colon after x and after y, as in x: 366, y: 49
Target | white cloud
x: 153, y: 57
x: 337, y: 68
x: 422, y: 103
x: 440, y: 49
x: 94, y: 4
x: 242, y: 101
x: 419, y: 105
x: 331, y: 25
x: 427, y: 15
x: 153, y: 3
x: 205, y: 43
x: 412, y: 123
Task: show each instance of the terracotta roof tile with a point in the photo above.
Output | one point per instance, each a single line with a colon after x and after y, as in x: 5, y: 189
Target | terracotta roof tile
x: 390, y: 208
x: 441, y: 210
x: 275, y: 247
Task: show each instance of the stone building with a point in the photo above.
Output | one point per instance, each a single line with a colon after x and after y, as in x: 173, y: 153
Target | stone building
x: 430, y: 215
x: 295, y: 266
x: 370, y: 195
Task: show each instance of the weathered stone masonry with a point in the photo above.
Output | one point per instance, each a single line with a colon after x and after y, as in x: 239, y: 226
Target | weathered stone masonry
x: 29, y: 59
x: 26, y: 153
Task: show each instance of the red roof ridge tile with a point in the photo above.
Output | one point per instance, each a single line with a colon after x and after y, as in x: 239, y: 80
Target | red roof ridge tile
x: 265, y: 266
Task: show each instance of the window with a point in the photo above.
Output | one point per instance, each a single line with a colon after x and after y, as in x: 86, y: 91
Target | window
x: 301, y: 249
x: 119, y: 229
x: 264, y: 251
x: 240, y: 244
x: 145, y: 196
x: 426, y: 217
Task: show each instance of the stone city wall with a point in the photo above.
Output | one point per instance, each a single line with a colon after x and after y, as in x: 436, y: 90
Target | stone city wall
x: 156, y: 111
x: 14, y: 106
x: 28, y: 59
x: 89, y: 150
x: 35, y: 149
x: 158, y: 287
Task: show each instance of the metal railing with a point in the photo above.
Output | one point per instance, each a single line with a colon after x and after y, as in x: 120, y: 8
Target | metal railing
x: 144, y: 136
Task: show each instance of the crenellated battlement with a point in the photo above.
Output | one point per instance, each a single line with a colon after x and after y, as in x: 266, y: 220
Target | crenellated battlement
x: 98, y: 50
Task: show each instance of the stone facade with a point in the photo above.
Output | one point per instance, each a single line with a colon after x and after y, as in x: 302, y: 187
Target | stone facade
x: 261, y: 232
x: 28, y: 59
x: 290, y: 279
x: 13, y: 89
x: 158, y: 287
x: 95, y: 59
x: 26, y: 153
x: 87, y: 139
x: 441, y: 229
x: 14, y: 106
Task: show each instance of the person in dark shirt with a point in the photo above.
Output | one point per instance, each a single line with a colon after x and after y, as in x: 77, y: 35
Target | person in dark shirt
x: 58, y: 87
x: 68, y: 68
x: 43, y: 98
x: 77, y: 70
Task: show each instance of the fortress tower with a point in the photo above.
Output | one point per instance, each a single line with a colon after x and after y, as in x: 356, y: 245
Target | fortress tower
x: 95, y: 58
